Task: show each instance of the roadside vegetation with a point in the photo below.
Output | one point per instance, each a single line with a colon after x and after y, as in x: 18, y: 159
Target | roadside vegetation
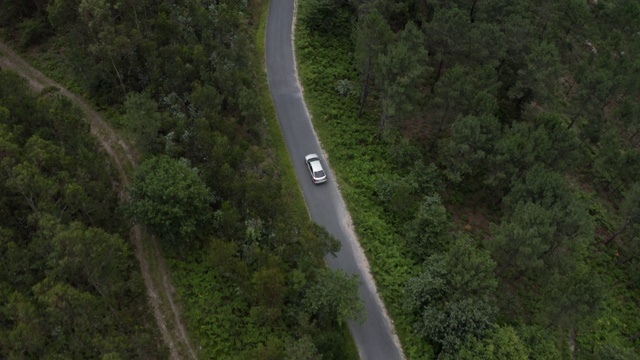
x: 185, y: 81
x: 489, y: 156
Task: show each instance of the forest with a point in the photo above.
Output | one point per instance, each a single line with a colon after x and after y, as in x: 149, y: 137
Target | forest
x: 183, y: 81
x: 68, y: 285
x: 489, y: 154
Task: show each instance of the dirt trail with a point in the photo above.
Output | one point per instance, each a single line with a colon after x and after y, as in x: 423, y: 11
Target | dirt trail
x: 160, y: 291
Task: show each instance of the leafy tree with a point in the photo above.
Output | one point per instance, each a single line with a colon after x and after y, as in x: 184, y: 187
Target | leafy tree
x: 302, y: 349
x: 28, y: 335
x: 541, y: 342
x: 108, y: 45
x: 486, y: 45
x: 462, y: 272
x: 74, y: 313
x: 452, y: 297
x: 453, y: 323
x: 170, y: 198
x: 630, y: 211
x: 428, y: 232
x: 628, y: 235
x: 62, y: 13
x: 501, y: 343
x: 542, y: 140
x: 570, y: 298
x: 333, y: 297
x: 615, y: 163
x: 89, y: 258
x: 470, y: 271
x: 543, y: 237
x: 545, y: 227
x: 428, y: 287
x: 613, y: 352
x: 397, y: 195
x: 521, y: 240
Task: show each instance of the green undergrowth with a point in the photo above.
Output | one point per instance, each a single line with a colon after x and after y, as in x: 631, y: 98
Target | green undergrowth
x: 359, y: 160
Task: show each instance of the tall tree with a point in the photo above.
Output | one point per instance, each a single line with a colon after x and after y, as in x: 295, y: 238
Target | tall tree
x: 465, y: 153
x: 371, y: 39
x: 462, y: 91
x: 401, y: 75
x: 537, y: 78
x: 446, y: 36
x: 452, y: 298
x: 544, y: 233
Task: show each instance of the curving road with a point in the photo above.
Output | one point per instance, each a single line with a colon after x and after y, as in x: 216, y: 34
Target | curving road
x: 375, y: 338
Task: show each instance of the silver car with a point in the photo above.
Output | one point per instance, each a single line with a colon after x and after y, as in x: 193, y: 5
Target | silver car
x: 315, y: 168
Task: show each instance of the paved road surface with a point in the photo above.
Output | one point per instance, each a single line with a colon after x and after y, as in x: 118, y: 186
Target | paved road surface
x: 375, y: 338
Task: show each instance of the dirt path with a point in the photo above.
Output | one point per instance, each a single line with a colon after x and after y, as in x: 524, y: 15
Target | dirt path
x: 160, y: 291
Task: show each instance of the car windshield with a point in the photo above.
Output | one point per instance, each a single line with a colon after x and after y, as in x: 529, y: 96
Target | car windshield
x: 318, y: 174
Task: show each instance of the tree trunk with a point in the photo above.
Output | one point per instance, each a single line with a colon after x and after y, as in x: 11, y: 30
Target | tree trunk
x: 572, y: 343
x: 124, y: 90
x: 573, y: 120
x: 472, y: 12
x: 365, y: 92
x: 440, y: 126
x: 438, y: 73
x: 383, y: 123
x: 622, y: 228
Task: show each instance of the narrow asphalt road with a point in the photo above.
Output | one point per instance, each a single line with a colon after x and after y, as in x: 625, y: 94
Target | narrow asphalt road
x: 375, y: 338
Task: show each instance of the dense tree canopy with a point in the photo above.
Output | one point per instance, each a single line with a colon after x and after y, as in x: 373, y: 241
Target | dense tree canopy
x: 528, y: 121
x: 514, y: 122
x: 69, y: 285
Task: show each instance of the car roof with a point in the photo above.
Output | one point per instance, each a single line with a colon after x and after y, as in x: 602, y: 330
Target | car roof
x: 311, y: 157
x: 315, y: 165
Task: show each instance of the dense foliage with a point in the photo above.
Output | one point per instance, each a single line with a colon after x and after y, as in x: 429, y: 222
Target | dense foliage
x: 170, y: 199
x: 69, y: 285
x: 183, y: 78
x: 488, y: 151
